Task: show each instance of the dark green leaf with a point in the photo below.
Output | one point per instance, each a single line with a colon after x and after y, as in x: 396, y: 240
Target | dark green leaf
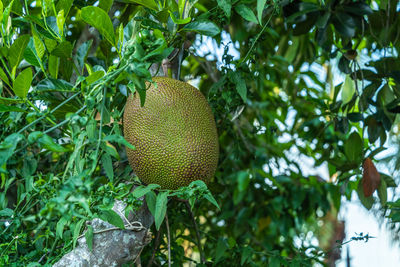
x: 203, y: 27
x: 151, y: 202
x: 367, y: 202
x: 4, y: 77
x: 89, y: 237
x: 237, y: 79
x: 143, y: 190
x: 48, y: 143
x: 212, y: 200
x: 112, y: 217
x: 7, y: 213
x: 358, y: 8
x: 160, y: 209
x: 99, y: 19
x: 146, y: 3
x: 63, y: 50
x: 246, y: 13
x: 382, y: 192
x: 4, y: 108
x: 353, y: 147
x: 77, y: 230
x: 60, y: 227
x: 226, y: 6
x: 54, y: 85
x: 220, y: 250
x: 106, y: 4
x: 107, y: 165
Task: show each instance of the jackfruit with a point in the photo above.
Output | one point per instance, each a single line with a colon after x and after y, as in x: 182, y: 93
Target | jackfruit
x: 174, y: 134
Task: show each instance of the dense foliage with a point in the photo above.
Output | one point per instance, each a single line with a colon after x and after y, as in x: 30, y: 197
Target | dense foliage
x: 67, y: 67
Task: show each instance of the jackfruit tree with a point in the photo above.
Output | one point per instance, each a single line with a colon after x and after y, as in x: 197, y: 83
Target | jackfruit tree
x: 296, y: 101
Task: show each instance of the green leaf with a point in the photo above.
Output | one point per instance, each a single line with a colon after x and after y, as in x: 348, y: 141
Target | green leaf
x: 382, y: 192
x: 211, y: 199
x: 4, y: 77
x: 118, y: 139
x: 53, y: 65
x: 94, y: 76
x: 323, y: 20
x: 247, y: 252
x: 16, y: 51
x: 64, y: 5
x: 112, y: 217
x: 39, y: 45
x: 358, y: 8
x: 151, y: 202
x: 246, y: 13
x: 48, y: 143
x: 143, y: 190
x: 99, y: 19
x: 348, y: 90
x: 146, y: 3
x: 30, y: 54
x: 8, y: 146
x: 77, y: 230
x: 237, y: 79
x: 54, y: 85
x: 89, y: 237
x: 353, y: 147
x: 106, y: 5
x: 6, y: 213
x: 178, y: 20
x: 260, y: 9
x: 226, y: 6
x: 60, y: 22
x: 4, y: 108
x: 367, y: 202
x: 388, y: 180
x: 160, y: 209
x: 220, y: 250
x: 204, y: 27
x: 107, y: 165
x: 63, y: 50
x: 22, y: 83
x: 60, y: 227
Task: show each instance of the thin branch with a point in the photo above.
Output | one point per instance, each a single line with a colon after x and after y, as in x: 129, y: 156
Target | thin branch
x: 169, y: 240
x: 156, y: 243
x: 202, y: 258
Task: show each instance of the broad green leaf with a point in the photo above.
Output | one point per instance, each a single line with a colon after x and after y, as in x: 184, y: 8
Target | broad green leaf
x: 143, y: 190
x: 348, y: 90
x: 106, y: 5
x: 353, y: 147
x: 39, y: 46
x: 382, y: 192
x: 77, y: 230
x: 118, y: 139
x: 63, y: 50
x: 7, y: 213
x: 146, y: 3
x: 367, y: 202
x: 107, y: 165
x: 241, y: 88
x: 226, y: 6
x: 151, y: 202
x: 89, y: 237
x: 160, y: 209
x: 99, y: 19
x: 112, y: 217
x: 221, y: 249
x: 82, y: 54
x: 358, y: 8
x: 246, y: 13
x: 48, y: 143
x: 247, y: 252
x: 60, y: 22
x: 16, y: 51
x: 53, y: 65
x: 204, y: 27
x: 30, y: 54
x: 260, y: 9
x: 4, y: 108
x: 8, y: 146
x: 22, y: 83
x: 4, y: 77
x: 93, y: 77
x: 64, y: 5
x: 60, y: 227
x: 50, y: 84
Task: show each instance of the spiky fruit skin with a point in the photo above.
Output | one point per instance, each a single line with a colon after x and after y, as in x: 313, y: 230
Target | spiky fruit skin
x: 174, y: 134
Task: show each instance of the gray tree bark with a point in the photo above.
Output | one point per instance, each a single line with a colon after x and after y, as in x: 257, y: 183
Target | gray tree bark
x: 112, y: 247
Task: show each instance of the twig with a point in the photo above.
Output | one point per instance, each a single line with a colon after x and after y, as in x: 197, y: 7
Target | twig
x: 156, y: 242
x: 202, y: 258
x: 169, y: 240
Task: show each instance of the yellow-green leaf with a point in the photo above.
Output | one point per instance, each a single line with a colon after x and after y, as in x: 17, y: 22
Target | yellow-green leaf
x: 22, y: 83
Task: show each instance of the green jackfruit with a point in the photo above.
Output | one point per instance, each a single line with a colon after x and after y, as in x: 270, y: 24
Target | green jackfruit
x: 174, y: 134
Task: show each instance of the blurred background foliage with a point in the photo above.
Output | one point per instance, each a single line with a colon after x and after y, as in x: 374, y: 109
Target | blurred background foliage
x: 303, y: 92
